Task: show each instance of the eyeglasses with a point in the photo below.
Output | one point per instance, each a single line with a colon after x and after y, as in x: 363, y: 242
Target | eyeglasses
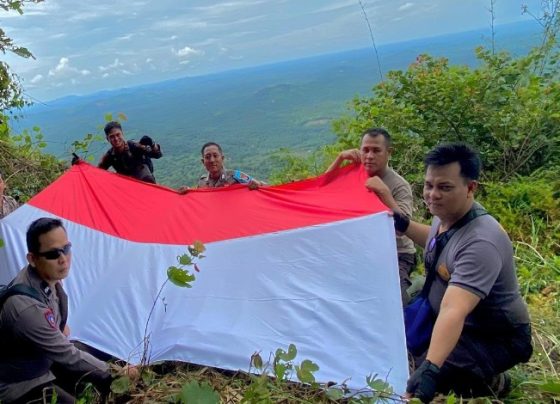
x: 54, y: 254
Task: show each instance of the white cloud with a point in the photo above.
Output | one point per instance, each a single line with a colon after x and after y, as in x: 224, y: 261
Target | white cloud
x: 149, y: 60
x: 406, y: 6
x: 105, y: 75
x: 85, y: 72
x: 37, y: 78
x: 116, y: 64
x: 186, y: 51
x: 61, y: 66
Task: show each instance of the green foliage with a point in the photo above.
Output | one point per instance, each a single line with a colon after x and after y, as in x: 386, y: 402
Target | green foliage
x: 180, y: 276
x: 198, y: 393
x: 503, y: 107
x: 10, y: 88
x: 121, y: 385
x: 25, y: 167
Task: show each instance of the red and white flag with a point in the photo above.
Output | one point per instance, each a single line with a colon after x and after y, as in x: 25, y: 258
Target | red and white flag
x: 311, y: 263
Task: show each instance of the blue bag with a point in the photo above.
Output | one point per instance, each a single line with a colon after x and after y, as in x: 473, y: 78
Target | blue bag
x: 419, y: 317
x: 419, y: 320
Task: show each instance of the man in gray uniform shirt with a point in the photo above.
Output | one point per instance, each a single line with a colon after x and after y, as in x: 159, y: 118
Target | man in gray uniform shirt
x: 482, y: 326
x: 393, y: 190
x: 37, y: 357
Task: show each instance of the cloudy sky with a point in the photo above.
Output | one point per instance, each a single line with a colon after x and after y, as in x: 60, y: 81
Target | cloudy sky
x: 87, y: 46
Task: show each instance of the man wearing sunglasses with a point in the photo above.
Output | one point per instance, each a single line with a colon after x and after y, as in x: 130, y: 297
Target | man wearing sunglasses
x: 482, y: 326
x: 7, y: 203
x: 393, y: 190
x: 37, y: 358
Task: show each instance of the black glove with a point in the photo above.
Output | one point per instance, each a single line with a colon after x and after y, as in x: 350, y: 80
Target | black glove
x: 423, y: 382
x: 75, y: 159
x: 401, y: 221
x: 147, y: 141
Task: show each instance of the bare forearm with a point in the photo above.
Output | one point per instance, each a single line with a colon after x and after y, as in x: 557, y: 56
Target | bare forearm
x: 446, y: 334
x: 418, y: 233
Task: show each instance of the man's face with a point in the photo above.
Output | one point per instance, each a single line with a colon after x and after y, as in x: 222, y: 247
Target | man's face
x: 446, y: 193
x: 374, y: 154
x: 52, y: 269
x: 116, y: 138
x: 213, y: 160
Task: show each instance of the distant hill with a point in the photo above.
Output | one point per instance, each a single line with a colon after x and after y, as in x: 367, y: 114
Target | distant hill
x: 251, y: 112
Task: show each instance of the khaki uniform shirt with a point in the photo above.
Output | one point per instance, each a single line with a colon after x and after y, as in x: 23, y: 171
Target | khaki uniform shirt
x: 9, y: 204
x: 402, y: 194
x: 31, y: 340
x: 225, y: 179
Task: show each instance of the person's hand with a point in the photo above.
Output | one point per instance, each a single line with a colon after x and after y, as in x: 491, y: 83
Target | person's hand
x: 2, y: 186
x: 253, y: 184
x: 375, y: 184
x: 147, y: 141
x: 423, y: 382
x: 66, y: 331
x: 183, y: 190
x: 352, y: 155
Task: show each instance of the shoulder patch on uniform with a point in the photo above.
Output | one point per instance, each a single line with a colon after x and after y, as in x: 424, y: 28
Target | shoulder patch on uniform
x: 49, y: 316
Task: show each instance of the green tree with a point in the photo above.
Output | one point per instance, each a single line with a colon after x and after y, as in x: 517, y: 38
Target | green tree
x: 10, y: 88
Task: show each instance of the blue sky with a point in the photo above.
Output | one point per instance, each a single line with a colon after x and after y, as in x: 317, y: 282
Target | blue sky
x: 87, y: 46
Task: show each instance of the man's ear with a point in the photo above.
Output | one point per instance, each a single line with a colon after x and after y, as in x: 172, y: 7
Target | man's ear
x: 472, y: 187
x: 31, y: 259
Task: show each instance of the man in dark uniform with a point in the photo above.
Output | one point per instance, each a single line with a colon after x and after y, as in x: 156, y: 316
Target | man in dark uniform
x: 37, y: 359
x: 127, y: 157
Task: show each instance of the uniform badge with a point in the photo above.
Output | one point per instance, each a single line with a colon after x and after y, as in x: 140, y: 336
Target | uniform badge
x: 443, y: 272
x: 49, y: 316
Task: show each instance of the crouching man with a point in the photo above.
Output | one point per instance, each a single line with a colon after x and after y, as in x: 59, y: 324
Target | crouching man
x: 482, y: 326
x: 37, y: 360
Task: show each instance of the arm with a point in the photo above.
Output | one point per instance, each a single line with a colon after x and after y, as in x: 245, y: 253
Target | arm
x: 149, y: 147
x: 346, y: 155
x: 415, y: 231
x: 105, y: 162
x: 457, y: 303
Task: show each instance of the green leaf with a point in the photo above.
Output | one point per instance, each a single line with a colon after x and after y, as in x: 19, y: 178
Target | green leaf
x: 148, y: 376
x: 122, y: 117
x: 180, y: 277
x: 195, y: 393
x: 280, y: 370
x: 185, y: 259
x: 121, y: 385
x: 2, y: 243
x: 108, y: 117
x: 552, y: 387
x: 256, y: 360
x: 335, y: 394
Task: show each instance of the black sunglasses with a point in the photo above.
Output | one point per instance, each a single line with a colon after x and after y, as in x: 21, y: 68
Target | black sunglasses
x: 54, y: 254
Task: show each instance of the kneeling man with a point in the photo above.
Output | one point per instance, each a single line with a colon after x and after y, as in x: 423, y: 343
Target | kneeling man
x: 482, y: 326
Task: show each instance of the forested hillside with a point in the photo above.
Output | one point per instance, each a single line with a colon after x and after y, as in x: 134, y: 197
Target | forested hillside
x: 252, y: 112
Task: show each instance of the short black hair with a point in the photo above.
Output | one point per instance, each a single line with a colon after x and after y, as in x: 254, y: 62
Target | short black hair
x: 211, y: 144
x: 374, y: 132
x: 39, y: 227
x: 110, y: 126
x: 448, y: 153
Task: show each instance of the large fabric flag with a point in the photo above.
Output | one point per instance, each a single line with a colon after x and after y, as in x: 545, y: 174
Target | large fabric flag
x: 311, y: 263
